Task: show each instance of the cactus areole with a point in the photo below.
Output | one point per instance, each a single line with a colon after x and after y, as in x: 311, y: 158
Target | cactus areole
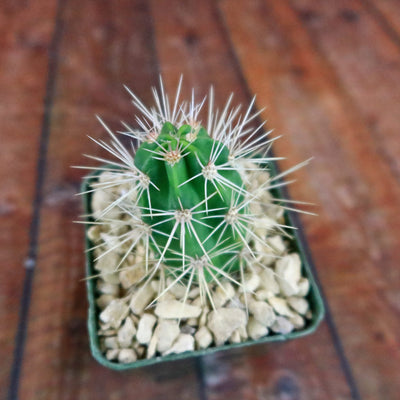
x: 190, y: 208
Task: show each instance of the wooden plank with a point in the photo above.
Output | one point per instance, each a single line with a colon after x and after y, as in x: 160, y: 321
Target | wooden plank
x: 387, y: 13
x: 103, y: 46
x: 366, y: 60
x: 25, y: 35
x: 354, y: 239
x: 191, y: 41
x: 293, y: 370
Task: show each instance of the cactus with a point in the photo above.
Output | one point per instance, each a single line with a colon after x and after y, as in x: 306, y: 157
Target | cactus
x: 185, y: 197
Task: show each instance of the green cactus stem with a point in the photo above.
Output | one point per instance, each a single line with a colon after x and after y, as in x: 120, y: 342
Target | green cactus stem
x: 191, y: 199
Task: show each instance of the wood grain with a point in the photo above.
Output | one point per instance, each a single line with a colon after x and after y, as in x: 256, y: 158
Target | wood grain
x: 25, y: 35
x: 328, y: 73
x: 354, y: 237
x: 206, y: 59
x: 293, y: 370
x: 103, y: 46
x: 386, y: 13
x: 366, y: 61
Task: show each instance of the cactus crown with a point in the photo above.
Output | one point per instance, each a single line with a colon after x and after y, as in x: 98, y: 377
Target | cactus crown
x: 185, y: 197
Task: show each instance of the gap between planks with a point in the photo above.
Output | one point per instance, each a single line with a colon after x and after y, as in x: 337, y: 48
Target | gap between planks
x: 30, y: 261
x: 382, y: 21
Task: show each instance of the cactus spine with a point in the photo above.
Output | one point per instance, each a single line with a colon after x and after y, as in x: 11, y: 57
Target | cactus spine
x: 185, y: 197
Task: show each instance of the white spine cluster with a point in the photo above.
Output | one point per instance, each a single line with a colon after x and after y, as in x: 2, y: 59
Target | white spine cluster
x: 248, y: 153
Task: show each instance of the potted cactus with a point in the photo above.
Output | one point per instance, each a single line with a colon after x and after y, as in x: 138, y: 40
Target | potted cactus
x: 191, y: 247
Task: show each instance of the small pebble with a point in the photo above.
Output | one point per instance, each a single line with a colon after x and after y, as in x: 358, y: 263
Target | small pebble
x: 235, y: 337
x: 243, y: 332
x: 167, y: 331
x: 127, y: 356
x: 131, y: 275
x: 111, y: 342
x: 106, y: 265
x: 107, y: 288
x: 268, y: 282
x: 178, y: 290
x: 93, y: 233
x: 194, y: 293
x: 262, y: 312
x: 288, y: 270
x: 286, y: 288
x: 282, y: 325
x: 304, y: 287
x: 101, y: 199
x: 277, y: 243
x: 222, y: 294
x: 203, y: 338
x: 203, y: 317
x: 223, y: 321
x: 299, y: 304
x: 297, y: 321
x: 183, y: 343
x: 280, y: 306
x: 145, y: 328
x: 174, y: 309
x: 141, y: 299
x: 255, y: 329
x: 263, y: 225
x: 251, y: 282
x: 115, y: 313
x: 104, y: 300
x: 112, y: 354
x: 262, y: 294
x: 126, y: 333
x: 152, y: 346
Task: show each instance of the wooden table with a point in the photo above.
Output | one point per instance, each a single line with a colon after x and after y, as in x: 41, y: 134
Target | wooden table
x: 328, y: 73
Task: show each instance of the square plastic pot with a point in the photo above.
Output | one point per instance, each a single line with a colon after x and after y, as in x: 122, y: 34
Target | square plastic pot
x: 298, y: 244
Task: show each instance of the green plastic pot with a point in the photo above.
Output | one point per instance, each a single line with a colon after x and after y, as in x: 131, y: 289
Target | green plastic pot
x: 299, y: 244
